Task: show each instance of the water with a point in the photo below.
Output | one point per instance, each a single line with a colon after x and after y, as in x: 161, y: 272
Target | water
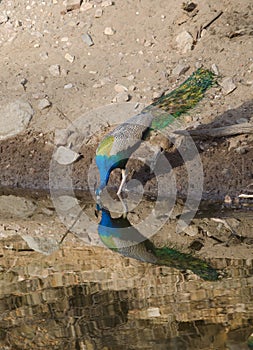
x: 85, y: 296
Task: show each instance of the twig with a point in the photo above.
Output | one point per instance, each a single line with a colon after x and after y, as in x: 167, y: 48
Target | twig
x: 206, y: 25
x: 245, y: 128
x: 212, y: 20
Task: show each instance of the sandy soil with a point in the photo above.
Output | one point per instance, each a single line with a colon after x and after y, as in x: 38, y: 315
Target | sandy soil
x: 143, y: 56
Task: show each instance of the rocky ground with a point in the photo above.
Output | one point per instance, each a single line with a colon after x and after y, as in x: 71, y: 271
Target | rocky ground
x: 69, y: 71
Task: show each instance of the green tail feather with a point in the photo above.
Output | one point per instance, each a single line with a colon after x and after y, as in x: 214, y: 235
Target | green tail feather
x: 180, y: 100
x: 173, y: 258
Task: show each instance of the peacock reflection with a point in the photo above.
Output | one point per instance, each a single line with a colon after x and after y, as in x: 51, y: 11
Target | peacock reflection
x: 120, y: 236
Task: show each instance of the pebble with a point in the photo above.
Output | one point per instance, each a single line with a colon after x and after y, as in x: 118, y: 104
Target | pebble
x: 189, y: 6
x: 65, y: 155
x: 180, y: 69
x: 215, y: 69
x: 131, y: 77
x: 109, y: 31
x: 44, y: 103
x: 55, y: 70
x: 121, y: 97
x: 106, y: 3
x: 61, y: 137
x: 16, y: 206
x: 69, y: 57
x: 191, y: 230
x: 184, y: 41
x: 156, y: 95
x: 120, y: 88
x: 87, y: 39
x: 44, y: 56
x: 18, y: 114
x: 86, y: 6
x: 242, y: 120
x: 3, y: 17
x: 228, y: 85
x: 68, y: 86
x: 98, y: 13
x: 72, y: 5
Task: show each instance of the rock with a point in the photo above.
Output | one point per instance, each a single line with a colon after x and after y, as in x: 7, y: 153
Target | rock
x: 14, y: 118
x: 86, y: 6
x: 44, y: 103
x: 120, y: 88
x: 156, y: 95
x: 228, y: 85
x: 131, y: 77
x: 121, y: 97
x: 12, y: 206
x: 55, y: 70
x: 44, y: 56
x: 65, y: 156
x: 87, y: 39
x: 191, y: 230
x: 189, y: 6
x: 215, y: 69
x: 68, y: 86
x: 109, y: 31
x: 98, y: 13
x: 69, y: 57
x: 73, y: 5
x: 44, y: 245
x: 3, y: 17
x: 184, y: 41
x: 180, y: 69
x: 106, y: 3
x: 61, y: 137
x: 242, y: 120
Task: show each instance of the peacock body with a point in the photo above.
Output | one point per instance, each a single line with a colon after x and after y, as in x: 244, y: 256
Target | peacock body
x: 117, y: 146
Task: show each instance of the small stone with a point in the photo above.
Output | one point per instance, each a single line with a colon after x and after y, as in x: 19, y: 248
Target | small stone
x: 228, y: 85
x: 65, y: 39
x: 87, y: 39
x: 44, y: 103
x: 180, y: 69
x: 184, y: 41
x: 44, y: 56
x: 132, y: 88
x: 120, y: 88
x: 121, y: 97
x: 189, y: 6
x: 215, y: 69
x: 191, y: 230
x: 131, y: 77
x: 55, y: 70
x: 98, y: 13
x: 73, y: 5
x: 86, y: 6
x: 61, y: 137
x: 16, y: 206
x: 3, y: 17
x: 68, y: 86
x: 109, y: 31
x: 18, y: 114
x: 65, y: 156
x: 242, y: 120
x: 106, y: 3
x: 227, y: 199
x: 156, y: 95
x: 69, y: 57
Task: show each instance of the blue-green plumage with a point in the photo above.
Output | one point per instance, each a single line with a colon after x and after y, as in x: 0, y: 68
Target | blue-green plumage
x: 120, y: 236
x: 117, y: 146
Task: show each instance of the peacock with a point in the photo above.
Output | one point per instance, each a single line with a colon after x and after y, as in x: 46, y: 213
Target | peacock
x: 117, y: 146
x: 119, y: 235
